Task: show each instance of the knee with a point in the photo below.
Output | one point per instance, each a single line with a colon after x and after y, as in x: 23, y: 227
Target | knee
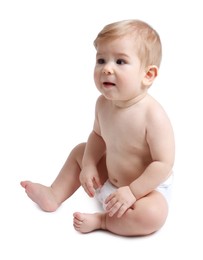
x: 78, y: 152
x: 149, y: 217
x: 79, y: 149
x: 153, y: 217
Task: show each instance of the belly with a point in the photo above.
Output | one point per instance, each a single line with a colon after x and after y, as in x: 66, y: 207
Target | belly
x: 123, y: 169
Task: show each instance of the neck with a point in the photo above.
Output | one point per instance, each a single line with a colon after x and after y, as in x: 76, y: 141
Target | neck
x: 128, y: 103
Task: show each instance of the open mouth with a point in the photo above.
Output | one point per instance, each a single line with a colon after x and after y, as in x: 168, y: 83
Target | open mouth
x: 108, y: 84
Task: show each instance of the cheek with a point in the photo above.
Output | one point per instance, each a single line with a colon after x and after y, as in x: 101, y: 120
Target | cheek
x: 126, y: 81
x: 96, y: 76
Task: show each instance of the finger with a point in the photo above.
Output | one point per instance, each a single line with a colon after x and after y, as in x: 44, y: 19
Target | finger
x: 84, y: 185
x: 114, y: 209
x: 111, y: 203
x: 121, y: 210
x: 110, y: 197
x: 90, y: 189
x: 97, y: 182
x: 85, y: 189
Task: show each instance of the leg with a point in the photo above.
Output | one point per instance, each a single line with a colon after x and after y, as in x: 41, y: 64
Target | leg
x: 147, y: 216
x: 65, y: 184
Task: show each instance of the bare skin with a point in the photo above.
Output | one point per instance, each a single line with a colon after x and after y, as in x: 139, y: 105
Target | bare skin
x: 50, y: 198
x: 141, y: 218
x: 132, y: 145
x: 141, y: 221
x: 42, y: 195
x: 85, y: 223
x: 47, y: 200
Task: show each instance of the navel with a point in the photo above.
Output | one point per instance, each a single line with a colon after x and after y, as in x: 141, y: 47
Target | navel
x: 115, y: 180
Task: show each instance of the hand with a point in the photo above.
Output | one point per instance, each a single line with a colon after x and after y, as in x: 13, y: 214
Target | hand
x: 119, y: 201
x: 89, y: 179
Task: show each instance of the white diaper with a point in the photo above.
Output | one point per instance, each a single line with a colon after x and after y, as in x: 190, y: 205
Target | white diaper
x: 104, y: 192
x: 108, y: 188
x: 166, y: 188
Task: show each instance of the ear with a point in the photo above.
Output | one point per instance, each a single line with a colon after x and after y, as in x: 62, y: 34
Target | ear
x: 150, y: 75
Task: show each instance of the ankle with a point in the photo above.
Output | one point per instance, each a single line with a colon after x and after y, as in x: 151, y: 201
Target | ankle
x: 103, y: 221
x: 55, y: 196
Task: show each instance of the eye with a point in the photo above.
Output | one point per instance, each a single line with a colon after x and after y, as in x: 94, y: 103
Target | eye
x: 100, y: 61
x: 121, y: 61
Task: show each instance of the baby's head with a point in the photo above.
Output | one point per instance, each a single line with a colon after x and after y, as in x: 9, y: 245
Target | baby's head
x: 147, y: 41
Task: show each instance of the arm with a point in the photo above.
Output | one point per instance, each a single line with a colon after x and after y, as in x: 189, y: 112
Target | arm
x: 94, y: 151
x: 160, y: 138
x: 160, y: 141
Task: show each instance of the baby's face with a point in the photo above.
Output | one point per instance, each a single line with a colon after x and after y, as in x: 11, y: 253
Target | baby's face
x: 118, y: 72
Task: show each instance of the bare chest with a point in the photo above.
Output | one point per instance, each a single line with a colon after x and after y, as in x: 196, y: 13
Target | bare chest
x: 123, y: 129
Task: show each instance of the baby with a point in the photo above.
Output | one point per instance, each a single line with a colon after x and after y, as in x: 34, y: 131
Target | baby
x: 128, y: 158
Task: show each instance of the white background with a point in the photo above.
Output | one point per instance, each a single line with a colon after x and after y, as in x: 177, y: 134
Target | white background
x: 47, y: 98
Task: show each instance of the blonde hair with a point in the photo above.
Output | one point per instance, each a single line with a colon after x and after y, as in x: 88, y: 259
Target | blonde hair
x: 147, y: 40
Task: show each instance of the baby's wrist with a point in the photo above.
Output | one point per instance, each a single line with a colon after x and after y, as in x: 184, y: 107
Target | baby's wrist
x: 132, y: 191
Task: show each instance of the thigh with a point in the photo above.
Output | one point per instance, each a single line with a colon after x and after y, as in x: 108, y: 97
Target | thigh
x: 147, y: 216
x: 151, y: 210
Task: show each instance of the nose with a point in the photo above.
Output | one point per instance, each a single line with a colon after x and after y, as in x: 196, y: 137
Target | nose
x: 108, y: 70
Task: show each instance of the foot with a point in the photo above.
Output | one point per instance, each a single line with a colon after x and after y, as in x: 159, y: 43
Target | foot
x: 41, y: 195
x: 86, y: 223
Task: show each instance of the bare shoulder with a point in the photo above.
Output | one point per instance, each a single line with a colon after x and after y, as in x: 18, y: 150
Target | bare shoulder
x: 155, y: 113
x: 101, y: 100
x: 101, y: 103
x: 158, y: 124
